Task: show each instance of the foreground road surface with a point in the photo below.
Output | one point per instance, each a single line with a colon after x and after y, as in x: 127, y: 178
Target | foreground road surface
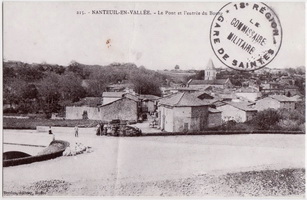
x: 137, y: 160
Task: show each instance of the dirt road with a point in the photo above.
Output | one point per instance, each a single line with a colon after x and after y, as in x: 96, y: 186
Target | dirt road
x: 144, y: 161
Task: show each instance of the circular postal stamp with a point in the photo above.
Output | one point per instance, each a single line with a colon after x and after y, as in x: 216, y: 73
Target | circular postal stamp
x: 246, y: 36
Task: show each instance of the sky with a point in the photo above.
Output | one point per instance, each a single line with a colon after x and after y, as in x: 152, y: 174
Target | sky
x: 53, y: 32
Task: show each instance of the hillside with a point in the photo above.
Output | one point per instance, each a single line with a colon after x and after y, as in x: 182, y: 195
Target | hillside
x: 45, y: 87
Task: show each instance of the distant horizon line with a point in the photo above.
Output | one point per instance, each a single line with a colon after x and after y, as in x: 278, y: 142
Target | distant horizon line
x: 220, y: 67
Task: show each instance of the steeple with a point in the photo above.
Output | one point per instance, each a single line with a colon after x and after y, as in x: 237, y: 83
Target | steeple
x: 210, y: 65
x: 210, y: 71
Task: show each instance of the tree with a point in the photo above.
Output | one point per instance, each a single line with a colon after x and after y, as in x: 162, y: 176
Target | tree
x: 13, y: 91
x: 145, y: 83
x: 48, y: 89
x: 177, y: 67
x: 70, y: 87
x: 200, y: 75
x: 78, y: 69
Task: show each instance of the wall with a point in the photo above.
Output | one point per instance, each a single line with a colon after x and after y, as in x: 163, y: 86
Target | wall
x: 76, y: 112
x: 267, y: 103
x: 209, y: 74
x: 199, y: 120
x: 124, y: 109
x: 166, y: 118
x: 214, y: 119
x: 148, y: 106
x: 182, y: 115
x: 196, y: 118
x: 151, y: 106
x: 232, y: 113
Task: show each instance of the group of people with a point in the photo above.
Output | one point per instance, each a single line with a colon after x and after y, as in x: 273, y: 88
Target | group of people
x: 103, y: 129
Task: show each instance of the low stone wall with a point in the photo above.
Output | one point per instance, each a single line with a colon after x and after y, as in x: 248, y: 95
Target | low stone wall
x: 71, y: 130
x: 222, y: 133
x: 31, y: 159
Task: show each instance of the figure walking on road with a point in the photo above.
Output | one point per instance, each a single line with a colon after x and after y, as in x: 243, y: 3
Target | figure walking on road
x: 76, y: 131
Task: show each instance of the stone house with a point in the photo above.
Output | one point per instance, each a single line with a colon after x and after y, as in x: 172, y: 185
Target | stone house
x: 272, y: 88
x: 184, y: 112
x: 249, y: 93
x: 237, y: 111
x: 123, y: 108
x: 291, y: 90
x: 203, y: 84
x: 149, y: 102
x: 275, y: 102
x: 120, y: 87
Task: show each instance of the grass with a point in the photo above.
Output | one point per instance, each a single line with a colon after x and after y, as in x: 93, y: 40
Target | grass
x: 12, y: 123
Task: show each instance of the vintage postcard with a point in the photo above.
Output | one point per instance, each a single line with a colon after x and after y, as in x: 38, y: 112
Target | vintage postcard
x: 154, y: 99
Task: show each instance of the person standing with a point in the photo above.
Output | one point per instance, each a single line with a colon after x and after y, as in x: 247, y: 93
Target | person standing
x: 98, y: 130
x: 50, y: 131
x: 76, y: 131
x: 105, y: 129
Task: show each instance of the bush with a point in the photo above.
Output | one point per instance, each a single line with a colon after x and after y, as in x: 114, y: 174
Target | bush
x: 267, y: 119
x: 288, y: 124
x: 302, y: 127
x: 292, y: 115
x: 233, y: 125
x: 9, y: 110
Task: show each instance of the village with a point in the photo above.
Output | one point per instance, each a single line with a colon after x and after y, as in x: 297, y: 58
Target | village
x: 213, y: 132
x: 153, y: 99
x: 196, y: 105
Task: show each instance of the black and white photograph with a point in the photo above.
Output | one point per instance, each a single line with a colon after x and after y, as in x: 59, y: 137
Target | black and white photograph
x: 153, y: 99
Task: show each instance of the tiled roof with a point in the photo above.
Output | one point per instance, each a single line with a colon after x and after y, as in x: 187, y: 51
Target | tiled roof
x: 183, y: 99
x: 184, y: 89
x: 113, y: 94
x: 120, y: 85
x: 132, y: 97
x: 219, y: 103
x: 281, y: 98
x: 149, y: 96
x: 296, y: 98
x: 242, y: 106
x: 247, y: 90
x: 203, y: 95
x: 226, y: 96
x: 213, y: 110
x: 209, y: 82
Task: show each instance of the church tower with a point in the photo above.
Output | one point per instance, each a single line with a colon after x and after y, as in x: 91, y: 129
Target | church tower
x: 210, y: 71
